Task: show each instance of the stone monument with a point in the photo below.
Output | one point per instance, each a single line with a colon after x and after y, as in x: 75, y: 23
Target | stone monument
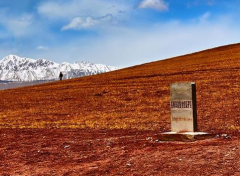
x: 183, y: 107
x: 183, y: 115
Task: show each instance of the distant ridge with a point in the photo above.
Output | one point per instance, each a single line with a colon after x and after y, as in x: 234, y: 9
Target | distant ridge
x: 15, y: 68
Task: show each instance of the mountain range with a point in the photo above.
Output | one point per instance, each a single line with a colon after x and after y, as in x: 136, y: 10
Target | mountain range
x: 15, y: 68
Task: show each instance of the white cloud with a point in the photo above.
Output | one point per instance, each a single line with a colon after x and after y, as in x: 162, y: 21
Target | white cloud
x: 205, y: 17
x: 42, y: 47
x: 72, y: 8
x: 125, y: 47
x: 18, y: 26
x: 53, y: 9
x: 87, y: 22
x: 84, y: 13
x: 154, y: 4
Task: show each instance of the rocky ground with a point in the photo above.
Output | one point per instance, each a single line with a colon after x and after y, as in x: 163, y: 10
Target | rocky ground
x: 114, y: 152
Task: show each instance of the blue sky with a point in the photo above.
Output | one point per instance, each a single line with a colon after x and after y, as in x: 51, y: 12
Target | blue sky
x: 115, y: 32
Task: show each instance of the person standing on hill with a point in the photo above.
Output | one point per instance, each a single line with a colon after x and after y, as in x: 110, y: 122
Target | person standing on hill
x: 60, y: 76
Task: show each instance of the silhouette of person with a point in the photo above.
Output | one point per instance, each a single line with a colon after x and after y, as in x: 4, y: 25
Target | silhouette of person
x: 60, y: 76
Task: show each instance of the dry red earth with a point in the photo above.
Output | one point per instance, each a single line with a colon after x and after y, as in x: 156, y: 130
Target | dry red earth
x: 113, y: 152
x: 108, y: 124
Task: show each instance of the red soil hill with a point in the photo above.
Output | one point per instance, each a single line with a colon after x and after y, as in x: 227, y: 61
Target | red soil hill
x: 135, y: 97
x: 106, y: 107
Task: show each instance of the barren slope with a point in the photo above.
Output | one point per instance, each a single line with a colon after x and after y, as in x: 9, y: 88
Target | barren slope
x: 93, y: 116
x: 136, y: 97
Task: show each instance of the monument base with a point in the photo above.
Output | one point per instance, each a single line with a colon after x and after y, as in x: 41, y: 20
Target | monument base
x: 184, y: 136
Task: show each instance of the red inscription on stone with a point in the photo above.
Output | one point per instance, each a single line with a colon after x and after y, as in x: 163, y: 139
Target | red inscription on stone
x: 177, y: 119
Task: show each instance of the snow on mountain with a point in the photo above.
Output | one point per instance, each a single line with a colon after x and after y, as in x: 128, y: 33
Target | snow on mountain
x: 15, y: 68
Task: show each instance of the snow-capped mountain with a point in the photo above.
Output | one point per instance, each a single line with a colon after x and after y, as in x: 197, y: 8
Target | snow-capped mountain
x: 15, y: 68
